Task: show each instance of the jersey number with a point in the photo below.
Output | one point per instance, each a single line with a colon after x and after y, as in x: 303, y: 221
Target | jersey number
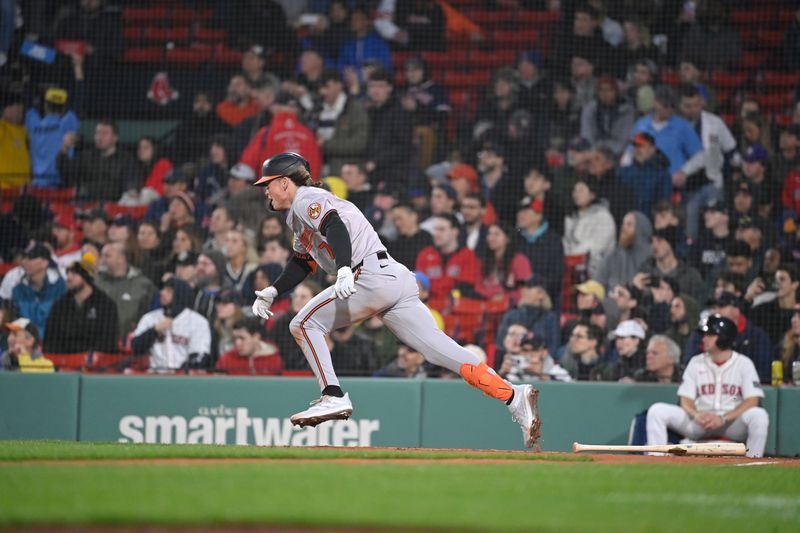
x: 327, y: 248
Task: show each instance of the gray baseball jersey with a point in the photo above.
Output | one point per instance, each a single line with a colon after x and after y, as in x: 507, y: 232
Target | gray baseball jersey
x: 383, y: 287
x: 309, y: 209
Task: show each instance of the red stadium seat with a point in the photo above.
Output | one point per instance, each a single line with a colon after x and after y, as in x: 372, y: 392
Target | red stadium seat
x: 670, y: 77
x: 474, y: 78
x: 770, y: 38
x: 69, y: 362
x: 106, y: 362
x: 132, y: 33
x: 493, y: 59
x: 753, y: 60
x: 226, y: 56
x: 487, y: 18
x: 519, y: 39
x: 147, y: 54
x: 47, y: 194
x: 136, y: 212
x: 449, y: 59
x: 144, y: 14
x: 194, y: 54
x: 543, y: 19
x: 728, y: 80
x: 775, y: 80
x: 209, y: 34
x: 574, y: 274
x: 155, y: 33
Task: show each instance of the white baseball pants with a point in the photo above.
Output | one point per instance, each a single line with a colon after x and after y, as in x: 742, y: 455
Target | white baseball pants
x: 750, y: 427
x: 387, y: 288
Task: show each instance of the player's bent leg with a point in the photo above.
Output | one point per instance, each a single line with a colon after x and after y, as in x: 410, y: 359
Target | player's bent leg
x: 756, y: 420
x: 662, y: 416
x: 310, y: 336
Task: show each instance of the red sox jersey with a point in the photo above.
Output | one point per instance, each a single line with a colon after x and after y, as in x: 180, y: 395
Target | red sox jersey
x: 720, y: 388
x: 444, y: 273
x: 310, y: 208
x: 189, y: 334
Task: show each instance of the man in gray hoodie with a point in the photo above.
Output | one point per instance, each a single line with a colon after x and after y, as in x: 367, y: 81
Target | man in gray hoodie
x: 633, y: 248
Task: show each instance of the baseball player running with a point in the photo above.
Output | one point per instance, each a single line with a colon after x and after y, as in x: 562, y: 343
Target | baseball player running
x: 333, y: 234
x: 719, y: 395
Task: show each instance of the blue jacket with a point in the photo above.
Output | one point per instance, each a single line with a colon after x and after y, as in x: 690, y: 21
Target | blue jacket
x: 649, y: 181
x: 35, y: 305
x: 356, y: 52
x: 677, y: 139
x: 542, y: 322
x: 46, y: 134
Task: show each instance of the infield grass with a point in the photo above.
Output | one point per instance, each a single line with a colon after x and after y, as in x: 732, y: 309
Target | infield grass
x: 497, y: 496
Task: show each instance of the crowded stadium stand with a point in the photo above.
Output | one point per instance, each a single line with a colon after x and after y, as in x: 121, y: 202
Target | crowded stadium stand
x: 567, y: 179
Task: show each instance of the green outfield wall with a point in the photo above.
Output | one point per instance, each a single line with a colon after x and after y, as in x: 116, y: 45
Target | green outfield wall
x: 388, y: 412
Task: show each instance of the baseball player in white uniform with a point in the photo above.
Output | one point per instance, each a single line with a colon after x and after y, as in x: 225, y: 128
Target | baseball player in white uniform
x: 719, y: 395
x: 334, y: 235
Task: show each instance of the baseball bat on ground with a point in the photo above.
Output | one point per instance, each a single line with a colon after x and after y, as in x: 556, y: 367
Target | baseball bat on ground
x: 724, y: 448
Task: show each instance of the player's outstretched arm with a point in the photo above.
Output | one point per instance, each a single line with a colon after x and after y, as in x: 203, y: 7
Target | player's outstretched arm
x: 296, y: 270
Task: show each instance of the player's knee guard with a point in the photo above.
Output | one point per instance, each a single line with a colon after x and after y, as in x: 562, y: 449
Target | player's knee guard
x: 485, y: 379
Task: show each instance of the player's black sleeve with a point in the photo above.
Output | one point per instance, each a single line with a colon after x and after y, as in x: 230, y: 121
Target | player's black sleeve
x: 338, y: 238
x: 297, y: 269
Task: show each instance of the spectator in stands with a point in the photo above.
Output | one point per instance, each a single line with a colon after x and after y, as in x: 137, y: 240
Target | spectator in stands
x: 95, y: 23
x: 411, y: 240
x: 642, y: 77
x: 711, y: 39
x: 152, y: 253
x: 533, y: 363
x: 238, y: 197
x: 46, y: 133
x: 227, y: 311
x: 498, y: 185
x: 627, y: 299
x: 775, y: 317
x: 127, y: 287
x: 329, y: 33
x: 684, y: 314
x: 293, y: 358
x: 790, y: 347
x: 254, y: 62
x: 64, y: 230
x: 443, y: 201
x: 102, y: 172
x: 209, y: 281
x: 414, y: 25
x: 263, y: 93
x: 305, y: 86
x: 95, y: 225
x: 174, y: 336
x: 638, y: 44
x: 582, y: 351
x: 430, y: 106
x: 365, y: 46
x: 472, y: 208
x: 583, y: 77
x: 583, y: 37
x: 39, y: 288
x: 342, y: 125
x: 275, y: 251
x: 85, y: 318
x: 359, y: 190
x: 509, y: 350
x: 738, y: 260
x: 535, y: 312
x: 662, y: 365
x: 648, y: 176
x: 194, y: 132
x: 408, y: 364
x: 692, y: 76
x: 564, y: 178
x: 542, y: 246
x: 154, y: 168
x: 766, y: 192
x: 238, y: 103
x: 626, y: 357
x: 535, y: 89
x: 448, y: 265
x: 181, y: 213
x: 240, y: 255
x: 220, y: 223
x: 755, y: 129
x: 352, y: 352
x: 751, y: 340
x: 562, y: 123
x: 23, y: 353
x: 504, y: 269
x: 273, y: 225
x: 708, y: 250
x: 15, y: 158
x: 664, y: 263
x: 389, y: 145
x: 617, y: 197
x: 590, y: 228
x: 787, y: 157
x: 607, y: 120
x: 494, y: 111
x: 176, y: 181
x: 674, y: 136
x: 633, y: 248
x: 251, y: 352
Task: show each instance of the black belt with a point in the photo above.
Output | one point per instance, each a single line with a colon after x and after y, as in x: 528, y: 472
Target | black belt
x: 381, y: 255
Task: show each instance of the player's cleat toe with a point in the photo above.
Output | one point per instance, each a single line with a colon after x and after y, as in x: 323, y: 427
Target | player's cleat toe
x: 525, y: 412
x: 324, y: 409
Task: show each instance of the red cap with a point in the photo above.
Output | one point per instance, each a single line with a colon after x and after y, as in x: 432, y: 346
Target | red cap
x: 65, y: 221
x: 463, y: 170
x: 538, y: 206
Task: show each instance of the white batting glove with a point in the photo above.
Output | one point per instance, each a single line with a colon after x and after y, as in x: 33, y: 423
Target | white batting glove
x: 345, y: 283
x: 263, y: 302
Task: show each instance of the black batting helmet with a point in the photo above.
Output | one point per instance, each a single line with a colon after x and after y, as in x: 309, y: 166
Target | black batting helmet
x: 724, y: 328
x: 287, y: 164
